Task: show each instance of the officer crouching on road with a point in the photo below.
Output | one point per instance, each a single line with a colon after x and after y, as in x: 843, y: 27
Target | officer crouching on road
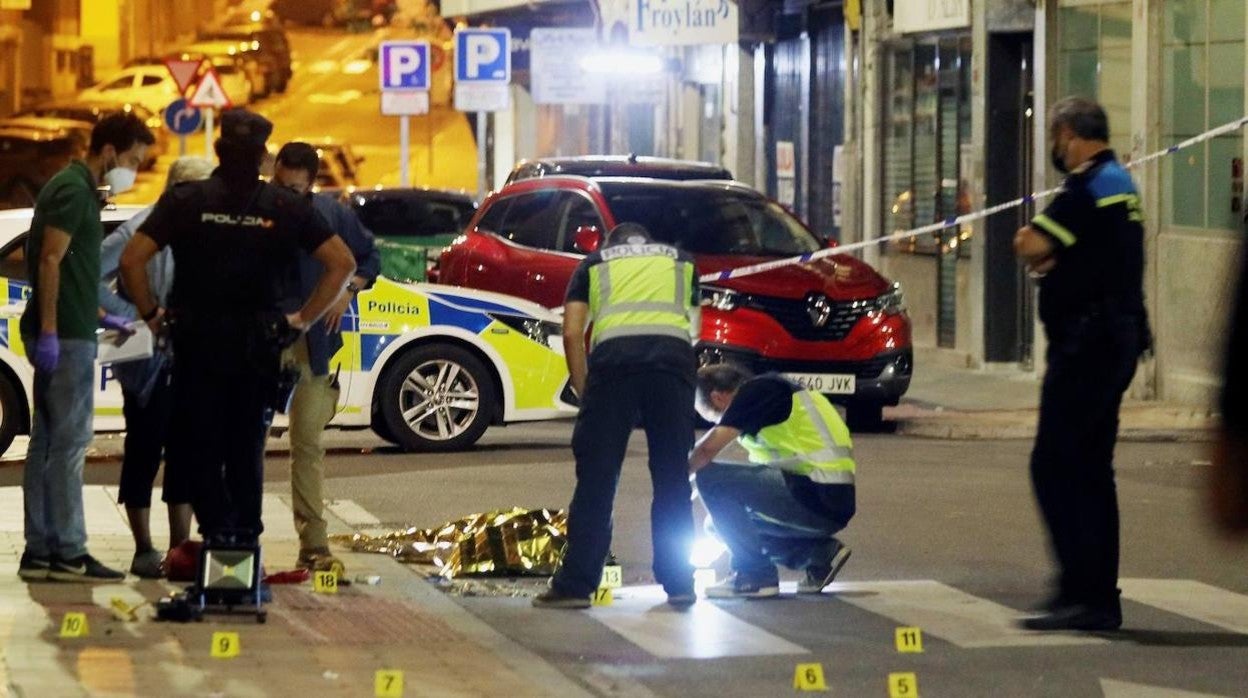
x: 235, y: 239
x: 1089, y: 247
x: 642, y: 299
x: 788, y: 508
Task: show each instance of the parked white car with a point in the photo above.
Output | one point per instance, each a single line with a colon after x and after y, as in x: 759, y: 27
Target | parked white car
x: 148, y: 85
x: 427, y: 367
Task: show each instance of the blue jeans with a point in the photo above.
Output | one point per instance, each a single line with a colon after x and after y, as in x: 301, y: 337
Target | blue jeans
x: 61, y: 429
x: 762, y: 523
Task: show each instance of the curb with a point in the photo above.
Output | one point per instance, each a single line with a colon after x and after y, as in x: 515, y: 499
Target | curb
x: 970, y: 431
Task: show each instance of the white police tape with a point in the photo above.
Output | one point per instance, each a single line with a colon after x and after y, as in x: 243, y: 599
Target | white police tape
x: 957, y: 220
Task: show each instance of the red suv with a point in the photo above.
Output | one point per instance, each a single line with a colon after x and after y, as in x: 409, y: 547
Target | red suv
x: 834, y: 325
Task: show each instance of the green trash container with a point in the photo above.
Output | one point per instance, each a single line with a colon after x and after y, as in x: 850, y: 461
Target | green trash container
x: 403, y: 262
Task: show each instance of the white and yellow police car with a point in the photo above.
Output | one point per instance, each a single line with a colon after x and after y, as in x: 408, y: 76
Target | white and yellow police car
x: 427, y: 367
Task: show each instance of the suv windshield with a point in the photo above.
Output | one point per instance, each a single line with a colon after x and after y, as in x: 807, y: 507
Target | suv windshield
x: 711, y: 221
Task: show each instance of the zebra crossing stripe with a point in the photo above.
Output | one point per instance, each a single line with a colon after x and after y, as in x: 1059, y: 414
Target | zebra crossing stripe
x: 1192, y: 599
x: 1123, y: 689
x: 704, y: 631
x: 954, y: 616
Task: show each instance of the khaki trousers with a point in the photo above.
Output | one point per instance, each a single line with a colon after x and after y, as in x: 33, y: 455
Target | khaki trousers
x: 312, y: 406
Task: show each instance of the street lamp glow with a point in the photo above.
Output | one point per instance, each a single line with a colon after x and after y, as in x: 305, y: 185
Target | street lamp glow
x: 622, y: 62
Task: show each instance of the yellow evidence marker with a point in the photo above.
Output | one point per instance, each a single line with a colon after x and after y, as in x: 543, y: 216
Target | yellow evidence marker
x: 602, y: 597
x: 325, y: 582
x: 612, y: 577
x: 809, y: 677
x: 388, y: 683
x: 225, y: 645
x: 74, y: 625
x: 903, y: 685
x: 909, y: 640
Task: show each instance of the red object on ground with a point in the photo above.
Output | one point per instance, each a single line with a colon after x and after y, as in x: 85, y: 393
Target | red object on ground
x: 182, y: 562
x: 295, y: 576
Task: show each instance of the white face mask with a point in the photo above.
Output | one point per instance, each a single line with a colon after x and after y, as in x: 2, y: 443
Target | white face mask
x: 120, y: 179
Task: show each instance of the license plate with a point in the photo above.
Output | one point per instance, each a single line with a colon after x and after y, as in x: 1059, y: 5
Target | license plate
x: 832, y: 383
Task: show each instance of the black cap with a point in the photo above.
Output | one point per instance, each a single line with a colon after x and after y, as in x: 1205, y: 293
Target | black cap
x: 242, y: 125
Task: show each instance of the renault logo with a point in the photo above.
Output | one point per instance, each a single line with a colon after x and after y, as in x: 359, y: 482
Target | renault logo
x: 818, y: 308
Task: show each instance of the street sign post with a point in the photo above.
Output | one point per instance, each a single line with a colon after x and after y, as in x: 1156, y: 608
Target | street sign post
x: 404, y: 68
x: 209, y: 95
x: 482, y: 82
x: 182, y: 119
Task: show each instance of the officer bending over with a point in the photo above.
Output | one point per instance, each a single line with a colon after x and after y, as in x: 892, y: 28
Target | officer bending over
x: 788, y: 508
x: 234, y: 238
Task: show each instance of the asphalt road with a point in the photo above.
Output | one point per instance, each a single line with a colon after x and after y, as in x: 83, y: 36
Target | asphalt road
x: 946, y: 539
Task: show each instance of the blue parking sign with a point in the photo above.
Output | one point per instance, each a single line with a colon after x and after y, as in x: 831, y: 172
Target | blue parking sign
x: 483, y: 55
x: 404, y: 65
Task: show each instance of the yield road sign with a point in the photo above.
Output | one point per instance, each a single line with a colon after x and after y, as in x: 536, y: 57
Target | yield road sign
x: 404, y: 65
x: 483, y: 55
x: 183, y: 72
x: 181, y: 118
x: 209, y: 93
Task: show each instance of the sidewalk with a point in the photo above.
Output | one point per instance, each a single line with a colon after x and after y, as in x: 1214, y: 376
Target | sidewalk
x: 949, y: 402
x: 313, y: 644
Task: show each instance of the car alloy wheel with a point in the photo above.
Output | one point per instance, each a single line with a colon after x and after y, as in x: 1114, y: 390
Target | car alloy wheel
x: 436, y: 397
x: 439, y: 400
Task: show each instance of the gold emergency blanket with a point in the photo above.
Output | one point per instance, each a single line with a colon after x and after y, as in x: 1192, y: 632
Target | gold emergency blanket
x: 503, y: 542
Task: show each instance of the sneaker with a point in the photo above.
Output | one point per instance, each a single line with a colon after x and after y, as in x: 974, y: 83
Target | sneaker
x: 820, y: 576
x: 147, y: 565
x: 739, y: 586
x: 33, y: 568
x: 321, y: 560
x: 83, y: 568
x: 553, y: 599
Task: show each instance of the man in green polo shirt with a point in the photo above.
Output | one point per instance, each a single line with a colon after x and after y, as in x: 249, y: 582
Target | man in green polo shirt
x: 59, y: 330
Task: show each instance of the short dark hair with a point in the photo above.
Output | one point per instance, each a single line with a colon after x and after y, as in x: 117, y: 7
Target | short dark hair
x: 235, y: 153
x: 1083, y: 116
x: 120, y: 130
x: 297, y: 155
x: 722, y: 377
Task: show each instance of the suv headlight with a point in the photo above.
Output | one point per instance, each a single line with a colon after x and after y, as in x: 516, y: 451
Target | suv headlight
x: 720, y: 298
x: 543, y: 332
x: 891, y: 302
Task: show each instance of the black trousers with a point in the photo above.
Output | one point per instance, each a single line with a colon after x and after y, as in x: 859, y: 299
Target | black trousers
x: 609, y: 411
x: 147, y: 439
x: 219, y: 430
x: 1089, y: 369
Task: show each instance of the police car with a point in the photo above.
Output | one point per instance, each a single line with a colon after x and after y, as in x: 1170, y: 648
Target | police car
x: 427, y: 367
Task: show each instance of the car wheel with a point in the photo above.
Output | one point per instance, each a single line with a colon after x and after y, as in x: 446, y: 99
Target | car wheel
x: 11, y: 412
x: 437, y: 397
x: 864, y: 416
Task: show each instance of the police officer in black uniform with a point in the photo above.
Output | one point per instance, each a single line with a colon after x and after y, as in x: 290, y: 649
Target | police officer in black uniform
x: 1088, y: 246
x: 235, y: 240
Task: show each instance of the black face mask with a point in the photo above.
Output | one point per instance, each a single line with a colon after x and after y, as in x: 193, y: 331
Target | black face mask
x: 1059, y: 162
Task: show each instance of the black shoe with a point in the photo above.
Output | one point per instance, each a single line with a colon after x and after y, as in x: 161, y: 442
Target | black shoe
x: 1077, y: 617
x: 553, y: 599
x: 33, y: 568
x: 819, y: 576
x: 740, y: 586
x: 83, y: 568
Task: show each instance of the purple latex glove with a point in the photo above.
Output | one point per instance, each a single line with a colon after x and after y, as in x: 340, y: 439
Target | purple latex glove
x: 116, y: 322
x: 47, y: 352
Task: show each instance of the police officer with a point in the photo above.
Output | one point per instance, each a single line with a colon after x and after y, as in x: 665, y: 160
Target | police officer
x: 787, y: 508
x: 1088, y: 246
x: 235, y: 239
x: 642, y: 300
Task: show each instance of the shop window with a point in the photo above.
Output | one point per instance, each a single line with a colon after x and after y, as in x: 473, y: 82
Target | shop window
x: 1202, y: 88
x: 1095, y: 41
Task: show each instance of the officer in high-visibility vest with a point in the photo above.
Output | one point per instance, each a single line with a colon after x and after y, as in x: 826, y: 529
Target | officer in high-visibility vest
x: 797, y: 492
x: 642, y: 300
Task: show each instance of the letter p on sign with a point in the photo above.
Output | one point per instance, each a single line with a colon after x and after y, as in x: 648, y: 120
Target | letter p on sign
x: 483, y: 55
x: 404, y: 65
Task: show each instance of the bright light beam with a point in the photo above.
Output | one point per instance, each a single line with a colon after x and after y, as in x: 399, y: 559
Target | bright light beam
x: 706, y: 550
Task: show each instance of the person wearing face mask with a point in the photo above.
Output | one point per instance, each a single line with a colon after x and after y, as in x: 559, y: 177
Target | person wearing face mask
x: 316, y: 394
x: 234, y: 239
x: 1087, y: 247
x: 59, y: 327
x: 147, y: 391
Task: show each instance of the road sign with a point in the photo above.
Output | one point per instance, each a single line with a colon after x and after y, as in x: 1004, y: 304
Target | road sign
x: 183, y: 72
x: 483, y: 55
x: 405, y: 103
x: 209, y: 92
x: 404, y: 65
x: 181, y: 118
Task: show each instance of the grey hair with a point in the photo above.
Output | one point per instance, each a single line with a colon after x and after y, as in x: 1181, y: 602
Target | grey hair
x: 188, y: 169
x: 627, y: 233
x: 1083, y: 116
x: 725, y: 378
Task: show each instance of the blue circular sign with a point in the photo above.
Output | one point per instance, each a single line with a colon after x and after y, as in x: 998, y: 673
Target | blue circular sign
x: 181, y: 118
